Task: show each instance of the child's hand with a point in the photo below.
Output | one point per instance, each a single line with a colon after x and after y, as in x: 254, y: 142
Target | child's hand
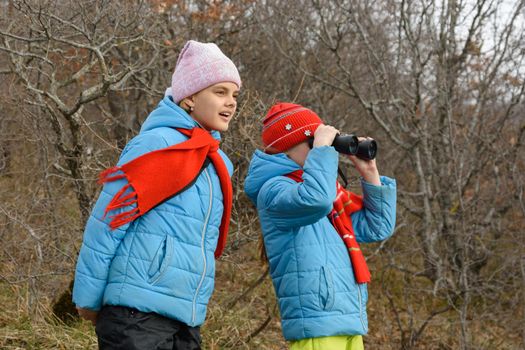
x: 367, y: 168
x: 89, y: 315
x: 324, y: 135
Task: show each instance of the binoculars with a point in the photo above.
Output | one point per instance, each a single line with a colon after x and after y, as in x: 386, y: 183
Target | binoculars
x: 350, y: 144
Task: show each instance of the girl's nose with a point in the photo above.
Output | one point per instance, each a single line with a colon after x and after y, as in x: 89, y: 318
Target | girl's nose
x: 232, y: 102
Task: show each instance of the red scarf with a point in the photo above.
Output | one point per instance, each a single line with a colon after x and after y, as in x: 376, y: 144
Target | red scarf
x: 345, y: 204
x: 161, y: 174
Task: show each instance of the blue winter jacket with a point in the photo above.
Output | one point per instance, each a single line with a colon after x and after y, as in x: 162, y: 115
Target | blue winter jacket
x: 163, y: 261
x: 309, y: 263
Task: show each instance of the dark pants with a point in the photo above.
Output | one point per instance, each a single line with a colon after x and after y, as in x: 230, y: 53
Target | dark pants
x: 120, y: 328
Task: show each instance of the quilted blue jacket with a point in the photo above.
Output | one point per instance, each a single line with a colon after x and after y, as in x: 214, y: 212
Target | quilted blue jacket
x: 309, y: 263
x: 163, y: 261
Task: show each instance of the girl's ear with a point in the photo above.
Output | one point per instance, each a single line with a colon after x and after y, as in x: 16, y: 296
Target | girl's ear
x: 187, y: 104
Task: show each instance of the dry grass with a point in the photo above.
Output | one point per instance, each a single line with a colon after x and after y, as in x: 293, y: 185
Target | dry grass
x: 21, y: 328
x: 232, y: 321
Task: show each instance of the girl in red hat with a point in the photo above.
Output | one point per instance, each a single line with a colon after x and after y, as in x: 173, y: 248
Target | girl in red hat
x: 312, y: 228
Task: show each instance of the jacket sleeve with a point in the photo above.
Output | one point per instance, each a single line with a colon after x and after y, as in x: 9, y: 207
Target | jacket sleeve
x: 293, y: 204
x: 376, y: 221
x: 100, y: 243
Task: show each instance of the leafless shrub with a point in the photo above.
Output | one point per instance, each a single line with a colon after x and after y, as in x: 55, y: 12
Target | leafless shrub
x: 440, y: 85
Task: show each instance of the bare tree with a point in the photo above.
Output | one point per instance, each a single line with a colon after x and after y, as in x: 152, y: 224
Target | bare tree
x: 442, y: 82
x: 438, y: 84
x: 65, y: 57
x: 61, y: 59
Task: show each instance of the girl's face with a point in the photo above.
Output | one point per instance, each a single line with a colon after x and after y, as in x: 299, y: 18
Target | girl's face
x: 215, y: 106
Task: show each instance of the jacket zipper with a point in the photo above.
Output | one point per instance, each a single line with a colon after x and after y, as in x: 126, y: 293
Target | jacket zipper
x: 360, y: 307
x: 203, y: 235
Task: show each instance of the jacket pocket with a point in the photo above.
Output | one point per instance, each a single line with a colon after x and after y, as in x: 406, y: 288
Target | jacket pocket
x: 326, y: 289
x: 161, y: 260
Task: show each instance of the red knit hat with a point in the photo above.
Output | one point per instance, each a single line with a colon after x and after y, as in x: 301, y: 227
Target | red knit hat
x: 286, y: 125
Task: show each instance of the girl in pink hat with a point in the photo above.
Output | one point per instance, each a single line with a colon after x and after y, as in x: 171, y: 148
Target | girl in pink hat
x: 146, y: 268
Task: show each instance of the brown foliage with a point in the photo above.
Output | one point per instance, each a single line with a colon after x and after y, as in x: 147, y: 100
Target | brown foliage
x: 80, y: 77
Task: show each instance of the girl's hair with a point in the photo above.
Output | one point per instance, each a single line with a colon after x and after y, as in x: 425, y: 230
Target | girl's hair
x: 262, y: 250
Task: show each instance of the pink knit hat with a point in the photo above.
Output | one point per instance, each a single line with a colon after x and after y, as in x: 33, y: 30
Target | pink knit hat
x: 201, y: 65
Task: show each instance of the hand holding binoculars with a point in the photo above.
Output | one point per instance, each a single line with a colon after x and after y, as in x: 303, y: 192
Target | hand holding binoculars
x: 350, y: 144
